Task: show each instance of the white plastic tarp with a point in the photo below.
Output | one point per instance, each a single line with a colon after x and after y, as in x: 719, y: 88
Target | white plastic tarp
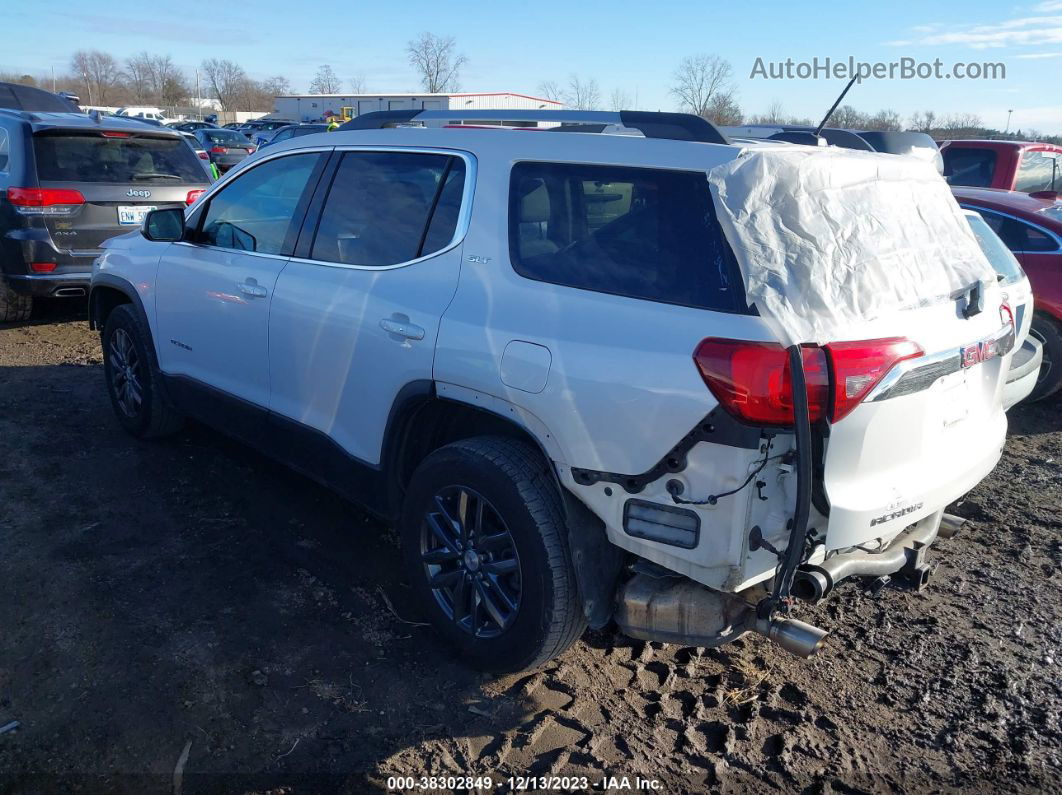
x: 829, y: 238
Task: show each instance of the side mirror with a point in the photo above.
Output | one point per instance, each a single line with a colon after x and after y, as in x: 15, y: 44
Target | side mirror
x: 164, y: 226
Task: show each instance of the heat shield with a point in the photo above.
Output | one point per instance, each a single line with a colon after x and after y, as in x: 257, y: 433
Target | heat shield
x: 827, y: 239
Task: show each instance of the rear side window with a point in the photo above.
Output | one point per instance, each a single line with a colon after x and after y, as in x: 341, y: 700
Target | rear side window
x: 999, y: 257
x: 257, y: 211
x: 639, y: 232
x: 5, y: 149
x: 385, y: 208
x: 97, y: 158
x: 1038, y: 171
x: 972, y: 167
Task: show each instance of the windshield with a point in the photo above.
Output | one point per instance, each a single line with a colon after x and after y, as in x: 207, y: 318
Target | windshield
x: 96, y: 158
x: 968, y: 166
x: 999, y: 256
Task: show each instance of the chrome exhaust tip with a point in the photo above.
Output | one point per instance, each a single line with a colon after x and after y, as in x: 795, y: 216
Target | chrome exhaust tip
x: 796, y: 637
x: 950, y: 524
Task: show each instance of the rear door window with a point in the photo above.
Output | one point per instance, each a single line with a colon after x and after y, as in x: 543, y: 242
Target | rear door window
x: 638, y: 232
x: 969, y: 166
x: 1019, y: 236
x: 5, y: 150
x: 228, y: 138
x: 386, y: 208
x: 99, y: 158
x: 999, y: 256
x: 1038, y: 171
x: 257, y: 212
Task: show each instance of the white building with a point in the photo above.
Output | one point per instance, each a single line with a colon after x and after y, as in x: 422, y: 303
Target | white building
x: 313, y: 107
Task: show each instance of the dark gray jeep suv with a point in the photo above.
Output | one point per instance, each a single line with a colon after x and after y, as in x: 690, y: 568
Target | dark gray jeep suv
x: 68, y: 182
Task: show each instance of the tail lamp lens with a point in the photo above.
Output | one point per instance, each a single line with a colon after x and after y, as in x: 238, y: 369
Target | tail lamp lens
x: 42, y: 267
x: 45, y: 201
x: 753, y: 380
x: 218, y: 150
x: 192, y: 196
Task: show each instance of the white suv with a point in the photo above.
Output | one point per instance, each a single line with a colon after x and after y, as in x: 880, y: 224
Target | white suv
x: 534, y: 351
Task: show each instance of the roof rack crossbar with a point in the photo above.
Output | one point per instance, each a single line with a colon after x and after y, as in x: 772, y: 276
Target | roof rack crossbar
x: 671, y: 126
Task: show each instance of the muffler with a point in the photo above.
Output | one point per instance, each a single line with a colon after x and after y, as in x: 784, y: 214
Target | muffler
x: 679, y: 610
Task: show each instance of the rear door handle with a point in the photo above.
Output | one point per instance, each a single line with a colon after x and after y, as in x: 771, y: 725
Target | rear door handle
x: 410, y: 331
x: 252, y: 288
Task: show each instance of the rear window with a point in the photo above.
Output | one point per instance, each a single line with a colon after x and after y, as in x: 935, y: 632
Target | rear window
x: 225, y: 137
x: 1000, y: 258
x: 972, y: 167
x: 1038, y: 171
x: 94, y: 158
x: 638, y: 232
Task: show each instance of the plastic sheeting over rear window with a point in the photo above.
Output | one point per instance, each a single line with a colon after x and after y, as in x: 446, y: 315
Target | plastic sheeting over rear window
x: 827, y: 239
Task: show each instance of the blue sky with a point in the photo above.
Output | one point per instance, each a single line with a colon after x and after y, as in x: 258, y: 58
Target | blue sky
x: 632, y: 46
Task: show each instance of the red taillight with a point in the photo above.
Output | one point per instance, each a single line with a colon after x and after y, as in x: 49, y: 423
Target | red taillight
x: 116, y: 135
x: 218, y: 150
x: 193, y: 195
x: 203, y: 155
x: 753, y: 380
x: 42, y: 267
x: 250, y: 150
x: 858, y: 367
x: 45, y: 201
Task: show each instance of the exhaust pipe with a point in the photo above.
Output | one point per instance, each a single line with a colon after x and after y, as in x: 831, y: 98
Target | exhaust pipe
x: 678, y: 610
x: 796, y: 637
x: 69, y: 292
x: 950, y: 524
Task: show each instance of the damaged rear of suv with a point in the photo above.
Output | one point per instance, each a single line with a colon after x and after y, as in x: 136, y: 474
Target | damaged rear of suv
x: 649, y: 377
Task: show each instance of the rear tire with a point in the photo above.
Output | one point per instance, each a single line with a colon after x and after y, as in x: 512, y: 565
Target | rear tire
x: 133, y: 379
x: 501, y: 588
x: 14, y: 307
x: 1047, y: 331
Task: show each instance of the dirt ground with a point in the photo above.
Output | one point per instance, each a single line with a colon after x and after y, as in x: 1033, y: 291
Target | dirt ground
x: 192, y: 600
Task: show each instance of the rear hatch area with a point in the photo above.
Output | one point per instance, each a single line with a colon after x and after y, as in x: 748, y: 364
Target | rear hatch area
x: 104, y: 182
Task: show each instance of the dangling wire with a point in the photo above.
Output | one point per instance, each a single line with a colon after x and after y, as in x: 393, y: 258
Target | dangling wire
x: 712, y: 499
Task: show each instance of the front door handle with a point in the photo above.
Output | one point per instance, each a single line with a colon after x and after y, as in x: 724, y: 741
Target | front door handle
x: 252, y: 288
x: 411, y: 331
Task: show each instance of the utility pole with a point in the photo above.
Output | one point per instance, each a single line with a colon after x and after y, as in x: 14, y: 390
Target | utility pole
x: 1008, y: 121
x: 53, y: 79
x: 198, y: 97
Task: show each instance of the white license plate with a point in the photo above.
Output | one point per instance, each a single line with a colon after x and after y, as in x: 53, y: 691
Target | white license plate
x: 133, y: 215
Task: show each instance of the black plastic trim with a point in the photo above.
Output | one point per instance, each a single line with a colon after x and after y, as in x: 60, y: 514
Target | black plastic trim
x: 717, y: 427
x: 673, y: 126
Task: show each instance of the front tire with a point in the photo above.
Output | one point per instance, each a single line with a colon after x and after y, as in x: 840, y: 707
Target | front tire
x: 133, y: 379
x: 1048, y: 333
x: 487, y: 553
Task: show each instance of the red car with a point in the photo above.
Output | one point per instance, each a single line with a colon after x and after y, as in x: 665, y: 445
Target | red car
x: 1031, y: 227
x: 1023, y: 166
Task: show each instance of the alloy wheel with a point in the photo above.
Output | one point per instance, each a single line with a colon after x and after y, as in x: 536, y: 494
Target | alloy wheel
x: 471, y: 562
x: 125, y: 373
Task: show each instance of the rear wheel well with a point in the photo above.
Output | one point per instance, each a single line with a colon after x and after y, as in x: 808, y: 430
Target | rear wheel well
x: 433, y: 423
x: 102, y: 302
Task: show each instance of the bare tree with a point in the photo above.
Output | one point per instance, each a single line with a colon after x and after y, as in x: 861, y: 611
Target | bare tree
x: 325, y: 81
x: 168, y: 83
x: 99, y: 72
x: 582, y: 93
x: 137, y: 76
x: 276, y: 86
x: 775, y: 114
x: 698, y: 79
x: 848, y: 117
x: 550, y: 89
x: 723, y: 109
x: 923, y: 121
x: 619, y: 99
x: 357, y: 85
x: 436, y: 61
x: 961, y: 124
x: 886, y: 119
x: 227, y: 81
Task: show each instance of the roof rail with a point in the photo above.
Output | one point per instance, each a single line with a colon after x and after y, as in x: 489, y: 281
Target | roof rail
x: 671, y: 126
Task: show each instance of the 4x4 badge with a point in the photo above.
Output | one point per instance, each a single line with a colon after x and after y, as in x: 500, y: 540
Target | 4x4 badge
x: 138, y: 193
